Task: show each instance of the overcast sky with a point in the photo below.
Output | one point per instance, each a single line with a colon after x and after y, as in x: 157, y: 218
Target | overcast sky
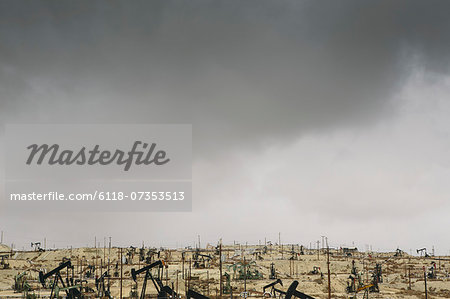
x: 309, y: 118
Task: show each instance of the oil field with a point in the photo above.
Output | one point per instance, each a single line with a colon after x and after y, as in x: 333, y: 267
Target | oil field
x: 221, y: 271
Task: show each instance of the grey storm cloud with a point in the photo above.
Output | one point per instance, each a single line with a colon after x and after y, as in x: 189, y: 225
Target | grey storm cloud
x: 239, y: 71
x: 253, y: 77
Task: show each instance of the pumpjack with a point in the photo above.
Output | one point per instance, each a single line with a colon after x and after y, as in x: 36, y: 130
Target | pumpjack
x: 351, y: 285
x: 148, y: 256
x: 356, y: 285
x: 422, y: 251
x: 201, y: 261
x: 373, y: 287
x: 68, y: 288
x: 37, y: 246
x: 292, y: 292
x: 151, y: 253
x: 273, y: 291
x: 20, y: 283
x: 164, y: 292
x: 129, y: 255
x: 432, y: 271
x: 141, y: 254
x: 366, y: 289
x: 4, y: 262
x: 378, y: 273
x: 258, y: 255
x: 398, y: 252
x: 294, y: 254
x: 72, y: 293
x: 190, y: 294
x: 315, y: 270
x: 89, y: 271
x: 227, y: 287
x: 102, y: 289
x: 244, y: 271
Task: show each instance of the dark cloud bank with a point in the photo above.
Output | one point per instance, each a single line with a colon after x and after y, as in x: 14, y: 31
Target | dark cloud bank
x: 246, y: 74
x: 239, y: 71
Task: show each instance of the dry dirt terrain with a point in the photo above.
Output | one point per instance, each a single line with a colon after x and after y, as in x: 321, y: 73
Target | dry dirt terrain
x: 402, y: 275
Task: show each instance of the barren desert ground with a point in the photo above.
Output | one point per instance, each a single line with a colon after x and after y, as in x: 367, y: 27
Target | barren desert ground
x: 246, y: 269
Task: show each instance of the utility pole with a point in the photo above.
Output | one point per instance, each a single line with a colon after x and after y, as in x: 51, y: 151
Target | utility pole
x: 121, y: 272
x: 207, y: 279
x: 245, y: 276
x: 425, y: 277
x: 328, y: 270
x: 167, y: 275
x: 1, y: 241
x: 177, y: 272
x: 109, y: 252
x: 409, y: 277
x: 318, y: 251
x: 104, y: 254
x: 182, y: 265
x: 190, y: 271
x: 109, y: 261
x: 220, y: 268
x: 329, y: 274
